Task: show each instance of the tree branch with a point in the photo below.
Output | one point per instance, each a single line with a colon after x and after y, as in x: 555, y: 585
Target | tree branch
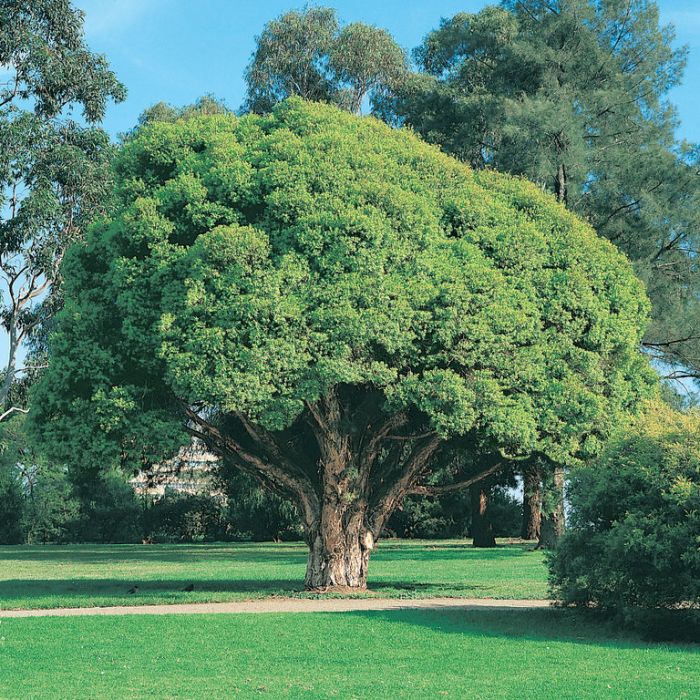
x: 10, y: 411
x: 296, y: 485
x: 414, y: 465
x: 458, y: 486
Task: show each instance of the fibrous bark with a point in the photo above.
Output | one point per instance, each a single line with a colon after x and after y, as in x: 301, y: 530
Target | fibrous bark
x: 553, y: 519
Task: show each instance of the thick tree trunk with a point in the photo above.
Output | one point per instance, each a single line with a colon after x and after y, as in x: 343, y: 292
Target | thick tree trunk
x: 351, y: 487
x: 553, y: 523
x: 532, y: 502
x: 338, y: 557
x: 482, y: 532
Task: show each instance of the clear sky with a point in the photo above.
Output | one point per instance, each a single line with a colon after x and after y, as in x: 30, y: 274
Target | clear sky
x: 178, y: 50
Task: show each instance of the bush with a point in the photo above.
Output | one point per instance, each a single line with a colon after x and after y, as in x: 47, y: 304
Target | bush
x: 184, y: 517
x: 254, y: 513
x: 110, y: 511
x: 36, y: 498
x: 51, y: 508
x: 633, y: 547
x: 450, y: 516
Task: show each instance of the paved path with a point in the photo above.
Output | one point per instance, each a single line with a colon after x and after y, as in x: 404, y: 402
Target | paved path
x: 286, y: 605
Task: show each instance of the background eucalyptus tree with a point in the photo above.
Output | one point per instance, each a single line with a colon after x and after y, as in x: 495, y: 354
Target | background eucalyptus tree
x: 308, y: 54
x: 54, y: 170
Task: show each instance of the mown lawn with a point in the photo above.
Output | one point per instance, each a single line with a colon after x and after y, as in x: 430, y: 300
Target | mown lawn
x: 391, y: 654
x: 87, y: 575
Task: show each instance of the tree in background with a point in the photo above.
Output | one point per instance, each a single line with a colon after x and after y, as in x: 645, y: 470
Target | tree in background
x: 164, y: 112
x: 332, y: 306
x: 36, y: 500
x: 307, y: 54
x: 532, y: 500
x: 53, y: 171
x: 574, y: 96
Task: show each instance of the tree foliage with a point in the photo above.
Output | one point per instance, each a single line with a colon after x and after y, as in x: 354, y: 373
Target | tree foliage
x: 309, y: 55
x: 335, y: 306
x: 53, y: 171
x: 633, y: 545
x: 574, y: 96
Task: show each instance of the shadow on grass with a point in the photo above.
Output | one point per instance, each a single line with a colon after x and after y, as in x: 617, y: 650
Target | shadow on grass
x: 436, y: 588
x: 158, y: 553
x: 39, y: 588
x: 27, y: 589
x: 544, y: 625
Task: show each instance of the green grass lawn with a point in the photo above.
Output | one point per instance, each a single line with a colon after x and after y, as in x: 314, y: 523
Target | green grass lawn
x: 86, y: 575
x: 391, y: 654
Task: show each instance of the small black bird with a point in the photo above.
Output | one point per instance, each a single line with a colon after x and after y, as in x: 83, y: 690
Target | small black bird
x: 189, y: 588
x: 133, y: 589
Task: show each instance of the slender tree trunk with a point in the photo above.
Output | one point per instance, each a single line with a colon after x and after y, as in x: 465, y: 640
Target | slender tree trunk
x: 532, y: 502
x: 561, y: 184
x: 11, y: 365
x: 553, y: 523
x: 482, y: 532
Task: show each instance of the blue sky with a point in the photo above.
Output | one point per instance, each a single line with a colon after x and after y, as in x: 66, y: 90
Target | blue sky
x: 178, y: 50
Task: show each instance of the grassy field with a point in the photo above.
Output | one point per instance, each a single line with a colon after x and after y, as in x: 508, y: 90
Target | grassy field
x: 86, y: 575
x: 427, y: 653
x: 392, y: 654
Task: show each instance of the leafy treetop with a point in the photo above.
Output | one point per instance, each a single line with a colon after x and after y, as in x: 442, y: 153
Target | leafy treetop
x: 308, y: 54
x: 258, y: 264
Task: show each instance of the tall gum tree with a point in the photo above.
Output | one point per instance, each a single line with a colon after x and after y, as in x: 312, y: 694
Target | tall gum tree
x: 54, y: 172
x: 336, y: 308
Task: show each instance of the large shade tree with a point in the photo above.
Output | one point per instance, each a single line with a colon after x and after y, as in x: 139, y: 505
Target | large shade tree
x: 336, y: 308
x: 574, y: 96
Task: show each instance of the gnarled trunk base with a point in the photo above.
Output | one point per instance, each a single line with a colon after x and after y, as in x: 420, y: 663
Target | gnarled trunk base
x: 338, y: 560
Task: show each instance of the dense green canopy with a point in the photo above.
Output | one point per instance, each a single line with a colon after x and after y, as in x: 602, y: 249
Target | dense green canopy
x: 258, y: 262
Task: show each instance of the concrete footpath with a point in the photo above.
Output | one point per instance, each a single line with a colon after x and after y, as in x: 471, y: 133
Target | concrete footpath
x: 287, y: 605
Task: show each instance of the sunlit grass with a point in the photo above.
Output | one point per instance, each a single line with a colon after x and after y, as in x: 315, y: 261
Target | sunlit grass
x: 391, y: 654
x: 86, y: 575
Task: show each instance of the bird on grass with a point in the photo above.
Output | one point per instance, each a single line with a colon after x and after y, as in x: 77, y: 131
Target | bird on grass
x: 133, y: 589
x: 189, y: 589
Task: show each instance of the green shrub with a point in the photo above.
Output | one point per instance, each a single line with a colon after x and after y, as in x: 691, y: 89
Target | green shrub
x: 254, y: 513
x: 450, y: 516
x: 184, y: 517
x: 52, y: 510
x: 110, y: 511
x: 633, y: 547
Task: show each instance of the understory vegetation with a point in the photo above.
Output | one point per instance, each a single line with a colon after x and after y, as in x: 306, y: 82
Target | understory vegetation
x: 633, y: 546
